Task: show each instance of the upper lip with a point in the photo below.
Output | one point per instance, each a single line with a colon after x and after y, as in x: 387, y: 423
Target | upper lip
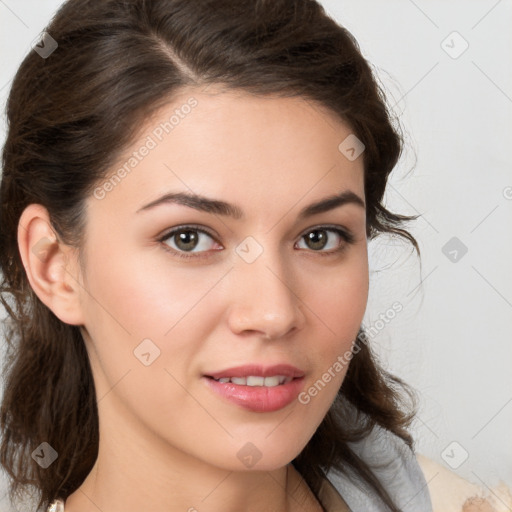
x: 258, y: 371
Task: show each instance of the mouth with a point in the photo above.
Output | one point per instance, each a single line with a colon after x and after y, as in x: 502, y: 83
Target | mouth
x: 252, y: 374
x: 256, y: 388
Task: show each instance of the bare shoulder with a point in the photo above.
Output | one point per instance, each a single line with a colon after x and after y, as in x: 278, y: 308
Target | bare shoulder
x: 451, y: 493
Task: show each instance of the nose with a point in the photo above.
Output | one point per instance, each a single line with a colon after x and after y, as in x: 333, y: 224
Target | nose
x: 264, y: 299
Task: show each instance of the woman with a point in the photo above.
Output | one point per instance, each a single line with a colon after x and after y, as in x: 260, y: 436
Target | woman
x: 188, y: 190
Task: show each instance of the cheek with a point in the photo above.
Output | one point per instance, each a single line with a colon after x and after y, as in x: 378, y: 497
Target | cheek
x: 339, y: 300
x: 142, y: 297
x: 151, y: 320
x: 339, y: 297
x: 147, y: 324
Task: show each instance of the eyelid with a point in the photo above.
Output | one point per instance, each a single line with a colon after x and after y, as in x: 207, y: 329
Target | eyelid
x: 183, y: 227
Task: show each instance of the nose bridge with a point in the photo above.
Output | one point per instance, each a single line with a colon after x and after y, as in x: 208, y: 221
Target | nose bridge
x: 266, y: 298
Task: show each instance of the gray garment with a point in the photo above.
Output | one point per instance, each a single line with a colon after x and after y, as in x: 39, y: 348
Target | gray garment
x: 396, y: 467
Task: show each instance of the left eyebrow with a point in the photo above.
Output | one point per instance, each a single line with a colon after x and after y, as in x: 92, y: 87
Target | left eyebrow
x: 219, y: 207
x: 332, y: 202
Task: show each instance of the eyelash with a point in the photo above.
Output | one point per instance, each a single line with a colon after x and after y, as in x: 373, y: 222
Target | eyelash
x: 344, y: 234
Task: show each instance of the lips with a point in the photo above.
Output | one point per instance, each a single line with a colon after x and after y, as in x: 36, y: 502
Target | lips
x: 257, y: 398
x: 254, y: 370
x: 254, y: 387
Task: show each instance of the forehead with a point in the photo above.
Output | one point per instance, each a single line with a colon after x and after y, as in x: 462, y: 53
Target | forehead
x: 254, y: 150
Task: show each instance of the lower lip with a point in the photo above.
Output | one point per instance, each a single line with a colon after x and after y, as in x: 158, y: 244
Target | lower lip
x: 258, y: 398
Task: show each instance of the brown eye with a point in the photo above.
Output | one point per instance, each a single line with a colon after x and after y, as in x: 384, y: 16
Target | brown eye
x: 317, y: 239
x: 322, y: 238
x: 185, y: 239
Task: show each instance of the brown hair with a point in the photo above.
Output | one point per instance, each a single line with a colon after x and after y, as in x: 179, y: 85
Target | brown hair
x: 70, y: 116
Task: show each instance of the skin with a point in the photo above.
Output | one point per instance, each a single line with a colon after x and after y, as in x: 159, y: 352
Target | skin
x: 167, y: 442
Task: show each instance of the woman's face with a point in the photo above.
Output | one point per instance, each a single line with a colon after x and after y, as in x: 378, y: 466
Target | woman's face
x: 260, y: 283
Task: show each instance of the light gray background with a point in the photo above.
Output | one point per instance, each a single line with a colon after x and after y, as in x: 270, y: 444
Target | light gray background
x: 452, y: 341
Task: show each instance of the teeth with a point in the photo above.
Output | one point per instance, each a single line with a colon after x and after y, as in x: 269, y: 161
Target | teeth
x: 253, y: 380
x: 271, y: 382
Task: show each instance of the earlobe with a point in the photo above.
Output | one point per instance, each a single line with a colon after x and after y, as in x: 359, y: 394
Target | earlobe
x: 50, y: 266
